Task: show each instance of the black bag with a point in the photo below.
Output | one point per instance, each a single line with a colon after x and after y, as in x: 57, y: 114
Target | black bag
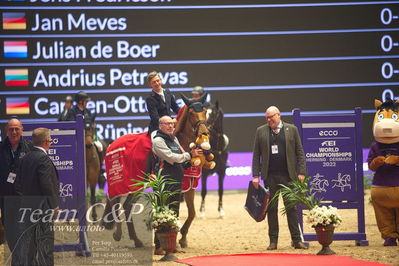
x: 257, y: 202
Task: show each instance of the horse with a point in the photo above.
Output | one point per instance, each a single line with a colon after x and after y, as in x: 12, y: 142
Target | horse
x: 219, y: 143
x: 93, y: 163
x: 191, y: 124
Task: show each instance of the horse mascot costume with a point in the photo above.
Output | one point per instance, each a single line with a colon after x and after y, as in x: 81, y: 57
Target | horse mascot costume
x: 383, y: 158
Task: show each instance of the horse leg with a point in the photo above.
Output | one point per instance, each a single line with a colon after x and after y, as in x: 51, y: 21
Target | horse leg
x: 107, y: 220
x: 221, y: 175
x: 203, y: 194
x: 93, y: 201
x: 189, y: 198
x: 127, y: 206
x: 117, y: 235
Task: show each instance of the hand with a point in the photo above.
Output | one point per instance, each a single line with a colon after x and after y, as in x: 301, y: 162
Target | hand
x: 196, y: 152
x: 255, y: 182
x: 301, y: 178
x: 376, y: 163
x: 392, y: 159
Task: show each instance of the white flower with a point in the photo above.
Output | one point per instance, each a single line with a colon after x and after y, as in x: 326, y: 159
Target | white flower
x: 324, y: 215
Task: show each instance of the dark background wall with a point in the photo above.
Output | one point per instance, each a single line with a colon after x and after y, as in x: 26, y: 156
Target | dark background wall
x: 317, y: 56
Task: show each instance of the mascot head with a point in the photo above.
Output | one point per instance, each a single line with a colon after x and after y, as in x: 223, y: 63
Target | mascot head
x: 386, y: 121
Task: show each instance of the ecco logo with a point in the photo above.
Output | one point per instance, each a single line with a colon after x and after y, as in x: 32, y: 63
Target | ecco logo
x: 328, y: 133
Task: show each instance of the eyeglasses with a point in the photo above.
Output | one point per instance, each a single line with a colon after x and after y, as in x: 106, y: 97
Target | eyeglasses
x: 16, y: 129
x: 49, y: 141
x: 168, y: 123
x: 271, y: 116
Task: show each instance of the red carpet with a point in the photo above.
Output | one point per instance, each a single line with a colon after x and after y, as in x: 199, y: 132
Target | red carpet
x: 276, y: 259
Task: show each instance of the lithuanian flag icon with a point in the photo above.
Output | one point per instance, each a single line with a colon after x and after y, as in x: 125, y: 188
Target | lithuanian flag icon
x: 14, y: 21
x: 17, y: 105
x: 16, y: 77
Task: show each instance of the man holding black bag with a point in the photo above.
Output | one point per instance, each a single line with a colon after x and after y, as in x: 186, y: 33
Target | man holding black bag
x: 278, y: 158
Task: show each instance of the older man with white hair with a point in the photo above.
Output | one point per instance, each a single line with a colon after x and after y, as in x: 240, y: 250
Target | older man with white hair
x: 278, y: 158
x: 166, y: 146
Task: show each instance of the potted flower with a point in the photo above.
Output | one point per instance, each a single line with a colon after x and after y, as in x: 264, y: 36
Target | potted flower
x: 162, y: 219
x: 322, y: 218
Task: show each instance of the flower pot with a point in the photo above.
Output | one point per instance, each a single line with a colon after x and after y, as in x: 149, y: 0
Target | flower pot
x: 325, y: 238
x: 168, y: 243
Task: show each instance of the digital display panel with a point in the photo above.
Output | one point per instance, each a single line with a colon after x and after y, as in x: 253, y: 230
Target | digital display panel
x: 319, y: 56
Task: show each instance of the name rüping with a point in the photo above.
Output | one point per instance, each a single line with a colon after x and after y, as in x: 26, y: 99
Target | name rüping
x: 115, y: 77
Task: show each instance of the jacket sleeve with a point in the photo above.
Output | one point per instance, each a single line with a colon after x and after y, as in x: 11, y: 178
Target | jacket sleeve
x: 162, y: 151
x: 152, y: 110
x: 256, y: 156
x: 173, y: 103
x: 48, y: 181
x: 71, y: 115
x: 372, y: 153
x: 300, y: 156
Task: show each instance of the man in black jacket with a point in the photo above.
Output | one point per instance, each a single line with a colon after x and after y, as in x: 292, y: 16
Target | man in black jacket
x: 81, y: 99
x: 160, y: 102
x: 37, y: 183
x: 63, y: 116
x: 12, y: 150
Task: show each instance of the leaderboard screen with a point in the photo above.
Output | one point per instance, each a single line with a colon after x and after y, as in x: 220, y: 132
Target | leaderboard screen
x: 319, y: 56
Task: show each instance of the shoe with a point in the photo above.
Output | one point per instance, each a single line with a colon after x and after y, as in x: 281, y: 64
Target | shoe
x: 300, y: 245
x: 390, y: 242
x: 272, y: 246
x: 159, y: 251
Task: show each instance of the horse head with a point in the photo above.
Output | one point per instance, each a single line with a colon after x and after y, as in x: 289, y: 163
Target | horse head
x: 386, y: 121
x: 192, y: 122
x: 214, y: 117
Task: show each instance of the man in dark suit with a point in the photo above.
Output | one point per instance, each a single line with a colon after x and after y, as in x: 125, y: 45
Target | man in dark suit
x: 12, y: 149
x: 160, y: 102
x: 38, y: 185
x: 278, y: 158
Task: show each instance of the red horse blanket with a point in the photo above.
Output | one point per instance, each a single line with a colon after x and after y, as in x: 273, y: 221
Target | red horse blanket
x: 125, y: 160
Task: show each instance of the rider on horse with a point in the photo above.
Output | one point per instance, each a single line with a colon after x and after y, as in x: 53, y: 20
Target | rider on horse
x: 81, y: 100
x: 159, y: 102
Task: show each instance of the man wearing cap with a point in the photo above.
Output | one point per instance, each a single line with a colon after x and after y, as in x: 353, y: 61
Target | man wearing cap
x: 160, y: 102
x: 197, y: 93
x: 67, y: 106
x: 81, y: 99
